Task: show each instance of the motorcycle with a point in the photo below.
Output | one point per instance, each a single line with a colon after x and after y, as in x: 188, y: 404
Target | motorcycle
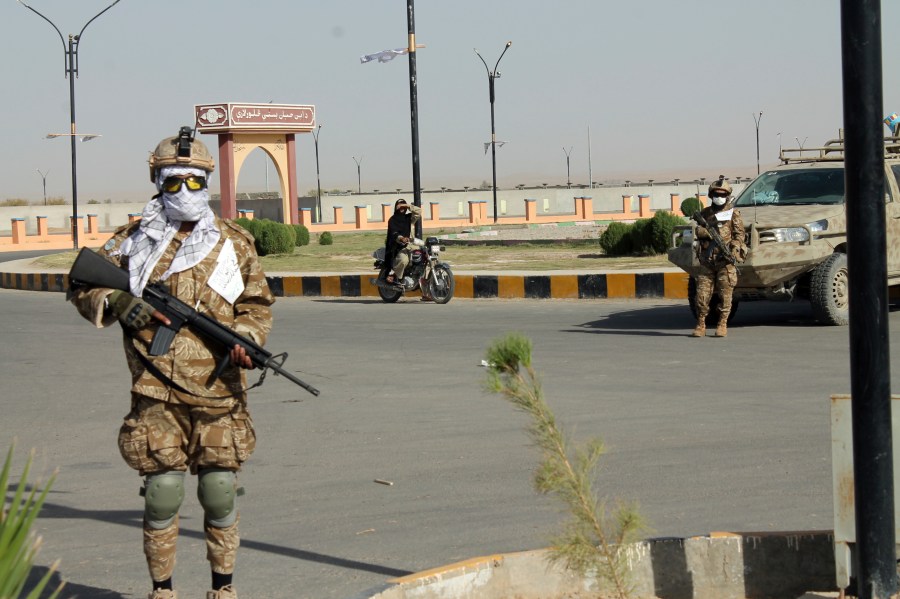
x: 426, y: 272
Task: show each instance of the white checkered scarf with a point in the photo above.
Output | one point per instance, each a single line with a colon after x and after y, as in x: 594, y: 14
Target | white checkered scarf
x: 160, y: 221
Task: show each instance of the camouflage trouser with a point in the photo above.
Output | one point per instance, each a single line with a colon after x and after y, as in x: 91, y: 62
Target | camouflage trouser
x: 158, y: 437
x: 159, y: 548
x: 725, y: 280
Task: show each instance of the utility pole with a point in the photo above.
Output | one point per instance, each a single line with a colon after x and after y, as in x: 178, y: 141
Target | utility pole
x: 568, y: 171
x: 358, y: 174
x: 491, y: 76
x: 44, y: 178
x: 757, y: 120
x: 318, y: 180
x: 71, y: 62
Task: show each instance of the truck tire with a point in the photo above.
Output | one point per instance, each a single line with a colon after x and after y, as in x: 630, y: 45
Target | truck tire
x: 829, y: 289
x: 712, y: 319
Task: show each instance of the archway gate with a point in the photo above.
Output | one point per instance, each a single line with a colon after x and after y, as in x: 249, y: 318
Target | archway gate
x: 241, y: 128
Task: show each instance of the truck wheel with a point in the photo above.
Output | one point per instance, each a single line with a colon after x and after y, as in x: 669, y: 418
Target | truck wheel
x: 712, y: 319
x: 829, y: 289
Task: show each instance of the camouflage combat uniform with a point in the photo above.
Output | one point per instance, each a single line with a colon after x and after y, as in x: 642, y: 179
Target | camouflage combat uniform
x: 717, y: 271
x: 206, y: 423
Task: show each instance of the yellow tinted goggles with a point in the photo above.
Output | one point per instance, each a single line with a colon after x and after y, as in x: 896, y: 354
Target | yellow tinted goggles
x: 173, y: 184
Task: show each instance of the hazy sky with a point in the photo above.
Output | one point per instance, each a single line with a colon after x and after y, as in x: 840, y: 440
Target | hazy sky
x: 666, y: 88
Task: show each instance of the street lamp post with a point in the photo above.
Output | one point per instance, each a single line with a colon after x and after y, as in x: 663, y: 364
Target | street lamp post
x: 358, y: 174
x: 44, y: 179
x: 266, y: 160
x: 71, y: 63
x: 568, y: 172
x: 318, y: 180
x: 491, y: 76
x: 757, y: 119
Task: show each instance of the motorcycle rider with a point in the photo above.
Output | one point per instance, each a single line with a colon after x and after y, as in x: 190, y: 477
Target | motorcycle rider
x: 398, y: 243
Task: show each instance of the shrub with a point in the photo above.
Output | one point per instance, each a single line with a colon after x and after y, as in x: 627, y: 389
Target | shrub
x: 274, y: 238
x: 690, y: 205
x: 616, y: 240
x: 325, y: 238
x: 252, y: 226
x: 93, y: 201
x: 640, y: 237
x: 661, y: 226
x: 14, y: 202
x: 56, y: 201
x: 302, y: 235
x: 18, y: 545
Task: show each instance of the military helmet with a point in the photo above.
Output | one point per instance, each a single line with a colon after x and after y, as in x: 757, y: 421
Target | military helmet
x: 719, y: 187
x: 181, y: 150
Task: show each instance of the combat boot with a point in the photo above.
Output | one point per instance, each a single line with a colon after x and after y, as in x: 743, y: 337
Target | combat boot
x: 226, y: 592
x: 163, y: 594
x: 722, y: 329
x: 700, y: 329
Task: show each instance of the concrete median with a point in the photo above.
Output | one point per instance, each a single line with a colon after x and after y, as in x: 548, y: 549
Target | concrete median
x: 533, y: 285
x: 771, y: 565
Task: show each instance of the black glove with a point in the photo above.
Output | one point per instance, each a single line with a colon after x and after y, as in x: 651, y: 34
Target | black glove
x: 131, y: 311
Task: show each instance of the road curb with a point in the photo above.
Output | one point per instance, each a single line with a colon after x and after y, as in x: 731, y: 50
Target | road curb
x: 649, y: 285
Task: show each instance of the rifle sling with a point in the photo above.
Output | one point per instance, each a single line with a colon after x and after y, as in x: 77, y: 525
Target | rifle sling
x: 168, y: 382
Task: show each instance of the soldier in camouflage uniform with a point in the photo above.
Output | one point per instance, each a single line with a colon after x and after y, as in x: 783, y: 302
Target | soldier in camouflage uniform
x: 180, y: 419
x: 718, y: 271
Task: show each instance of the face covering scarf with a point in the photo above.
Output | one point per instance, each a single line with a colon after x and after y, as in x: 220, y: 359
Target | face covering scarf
x: 160, y: 221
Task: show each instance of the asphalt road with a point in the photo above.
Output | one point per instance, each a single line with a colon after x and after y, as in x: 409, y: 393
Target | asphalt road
x: 706, y: 435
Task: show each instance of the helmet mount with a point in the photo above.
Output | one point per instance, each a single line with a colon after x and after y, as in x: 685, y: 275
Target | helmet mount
x: 185, y: 138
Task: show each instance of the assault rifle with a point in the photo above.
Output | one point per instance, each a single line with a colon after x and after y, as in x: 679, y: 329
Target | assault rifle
x: 716, y: 238
x: 93, y: 270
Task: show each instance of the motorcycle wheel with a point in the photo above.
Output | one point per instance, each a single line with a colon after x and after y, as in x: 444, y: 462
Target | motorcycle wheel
x: 389, y: 296
x: 441, y: 287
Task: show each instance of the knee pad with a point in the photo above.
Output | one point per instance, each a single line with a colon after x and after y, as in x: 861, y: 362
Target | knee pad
x: 163, y: 494
x: 216, y: 491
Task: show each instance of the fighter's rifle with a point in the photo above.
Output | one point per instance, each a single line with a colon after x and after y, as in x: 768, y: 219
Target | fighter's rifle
x: 93, y: 270
x: 716, y: 238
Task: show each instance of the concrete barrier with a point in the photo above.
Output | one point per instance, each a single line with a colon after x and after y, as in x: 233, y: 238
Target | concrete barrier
x: 770, y: 565
x: 649, y: 285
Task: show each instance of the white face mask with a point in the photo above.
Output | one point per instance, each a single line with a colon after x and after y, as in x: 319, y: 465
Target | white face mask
x: 719, y: 200
x: 184, y: 205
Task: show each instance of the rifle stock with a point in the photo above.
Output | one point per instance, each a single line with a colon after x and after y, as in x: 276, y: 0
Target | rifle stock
x: 90, y: 269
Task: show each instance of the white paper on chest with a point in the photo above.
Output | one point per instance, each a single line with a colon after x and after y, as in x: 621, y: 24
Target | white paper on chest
x: 226, y: 279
